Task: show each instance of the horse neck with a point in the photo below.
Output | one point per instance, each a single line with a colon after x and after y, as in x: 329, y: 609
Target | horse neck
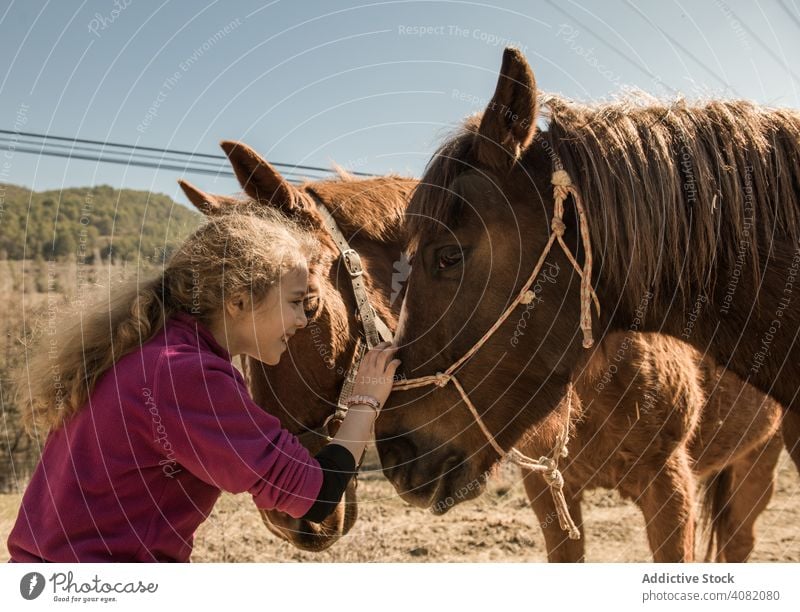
x: 745, y: 323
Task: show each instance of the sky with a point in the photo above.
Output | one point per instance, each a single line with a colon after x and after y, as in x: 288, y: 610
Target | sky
x: 371, y: 86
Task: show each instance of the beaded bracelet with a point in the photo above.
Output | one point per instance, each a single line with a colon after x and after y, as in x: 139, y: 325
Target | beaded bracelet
x: 366, y: 400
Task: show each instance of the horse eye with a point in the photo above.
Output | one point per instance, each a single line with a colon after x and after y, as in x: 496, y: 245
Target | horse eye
x: 448, y: 257
x: 311, y: 306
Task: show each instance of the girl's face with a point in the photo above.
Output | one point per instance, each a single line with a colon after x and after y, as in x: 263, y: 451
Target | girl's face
x: 263, y: 331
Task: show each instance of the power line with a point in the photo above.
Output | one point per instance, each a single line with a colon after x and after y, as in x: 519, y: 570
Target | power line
x: 125, y: 162
x: 99, y: 154
x: 55, y: 145
x: 141, y: 163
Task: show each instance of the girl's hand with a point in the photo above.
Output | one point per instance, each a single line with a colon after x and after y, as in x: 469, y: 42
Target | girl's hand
x: 376, y: 372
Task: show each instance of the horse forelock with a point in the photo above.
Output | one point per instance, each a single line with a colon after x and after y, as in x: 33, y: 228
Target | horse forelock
x: 431, y: 208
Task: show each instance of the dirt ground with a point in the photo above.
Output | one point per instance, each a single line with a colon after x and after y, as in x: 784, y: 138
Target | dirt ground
x: 499, y: 526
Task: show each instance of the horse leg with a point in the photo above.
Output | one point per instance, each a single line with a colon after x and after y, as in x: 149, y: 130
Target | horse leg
x: 668, y: 507
x: 560, y: 549
x: 750, y: 485
x: 791, y: 435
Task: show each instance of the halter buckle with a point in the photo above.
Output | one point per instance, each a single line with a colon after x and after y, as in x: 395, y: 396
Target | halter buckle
x: 352, y: 261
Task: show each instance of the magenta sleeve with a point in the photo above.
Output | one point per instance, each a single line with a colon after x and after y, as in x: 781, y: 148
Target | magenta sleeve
x: 211, y: 426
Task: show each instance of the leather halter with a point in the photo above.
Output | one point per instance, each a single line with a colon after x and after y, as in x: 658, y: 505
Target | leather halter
x: 548, y: 466
x: 373, y: 327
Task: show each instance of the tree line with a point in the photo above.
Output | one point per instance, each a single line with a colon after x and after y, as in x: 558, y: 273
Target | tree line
x: 90, y: 224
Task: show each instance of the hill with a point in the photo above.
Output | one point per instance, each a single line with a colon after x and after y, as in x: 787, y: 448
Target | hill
x: 90, y: 223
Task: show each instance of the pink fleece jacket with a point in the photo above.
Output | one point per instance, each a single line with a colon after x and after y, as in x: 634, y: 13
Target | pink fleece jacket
x: 135, y: 472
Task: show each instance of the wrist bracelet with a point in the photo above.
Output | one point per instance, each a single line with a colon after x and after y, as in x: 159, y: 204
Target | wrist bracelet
x: 366, y: 400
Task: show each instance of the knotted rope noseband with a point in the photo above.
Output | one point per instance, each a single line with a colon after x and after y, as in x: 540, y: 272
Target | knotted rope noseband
x: 548, y: 466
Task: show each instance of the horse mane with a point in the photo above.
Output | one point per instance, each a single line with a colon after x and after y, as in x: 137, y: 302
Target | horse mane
x: 372, y: 207
x: 432, y: 208
x: 670, y: 188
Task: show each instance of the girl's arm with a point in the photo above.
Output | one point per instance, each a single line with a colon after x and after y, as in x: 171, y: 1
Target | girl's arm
x: 374, y: 379
x: 203, y: 419
x: 340, y: 457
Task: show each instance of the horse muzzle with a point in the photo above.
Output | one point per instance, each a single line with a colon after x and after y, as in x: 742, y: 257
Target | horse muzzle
x: 426, y: 479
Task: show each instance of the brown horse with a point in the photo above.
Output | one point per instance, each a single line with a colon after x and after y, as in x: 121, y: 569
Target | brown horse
x: 302, y: 533
x: 302, y: 390
x: 690, y: 215
x: 651, y: 417
x: 267, y: 385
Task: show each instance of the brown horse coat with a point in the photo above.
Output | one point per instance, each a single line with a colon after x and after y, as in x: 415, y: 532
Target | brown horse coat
x: 651, y: 417
x: 693, y: 215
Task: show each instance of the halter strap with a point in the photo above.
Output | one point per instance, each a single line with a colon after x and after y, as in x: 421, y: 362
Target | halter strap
x: 324, y: 430
x: 548, y: 466
x: 374, y: 328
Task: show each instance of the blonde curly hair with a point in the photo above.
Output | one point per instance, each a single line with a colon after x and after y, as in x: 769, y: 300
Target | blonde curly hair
x: 226, y: 257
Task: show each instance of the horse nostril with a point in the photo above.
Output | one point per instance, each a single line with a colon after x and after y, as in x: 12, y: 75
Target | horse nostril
x: 396, y: 453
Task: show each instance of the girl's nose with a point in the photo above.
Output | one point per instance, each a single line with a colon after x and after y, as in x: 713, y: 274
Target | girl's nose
x: 302, y: 320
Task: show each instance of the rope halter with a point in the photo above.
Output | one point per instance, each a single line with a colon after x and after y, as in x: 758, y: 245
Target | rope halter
x: 547, y: 466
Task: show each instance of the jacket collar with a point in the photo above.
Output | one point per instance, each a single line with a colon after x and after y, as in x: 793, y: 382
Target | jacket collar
x: 201, y: 333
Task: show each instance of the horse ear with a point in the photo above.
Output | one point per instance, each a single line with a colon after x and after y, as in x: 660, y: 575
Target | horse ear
x: 259, y: 179
x: 209, y: 204
x: 509, y: 122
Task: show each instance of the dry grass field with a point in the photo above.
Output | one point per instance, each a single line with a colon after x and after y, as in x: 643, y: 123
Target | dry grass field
x: 499, y: 526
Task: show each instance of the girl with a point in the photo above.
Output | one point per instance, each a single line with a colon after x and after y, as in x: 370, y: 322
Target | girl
x: 148, y: 420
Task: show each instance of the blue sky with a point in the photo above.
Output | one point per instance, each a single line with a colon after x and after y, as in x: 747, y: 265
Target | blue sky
x: 373, y: 86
